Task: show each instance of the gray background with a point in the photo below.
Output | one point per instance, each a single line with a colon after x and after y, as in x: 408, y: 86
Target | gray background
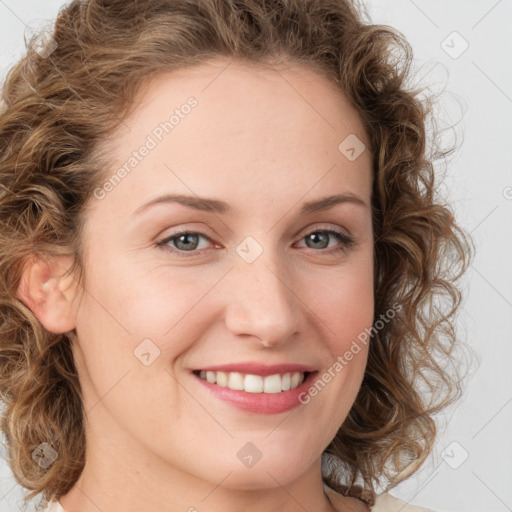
x: 471, y: 467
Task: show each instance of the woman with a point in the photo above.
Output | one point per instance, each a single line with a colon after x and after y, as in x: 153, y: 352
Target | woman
x: 173, y: 337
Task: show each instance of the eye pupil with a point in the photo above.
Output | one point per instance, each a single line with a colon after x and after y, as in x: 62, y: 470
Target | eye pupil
x: 186, y: 246
x: 314, y: 237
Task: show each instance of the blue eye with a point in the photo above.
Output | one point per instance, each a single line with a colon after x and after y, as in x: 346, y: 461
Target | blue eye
x: 188, y: 242
x: 346, y: 241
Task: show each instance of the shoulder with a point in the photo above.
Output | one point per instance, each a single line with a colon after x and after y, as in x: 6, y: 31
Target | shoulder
x: 346, y: 503
x: 364, y: 503
x: 383, y: 503
x: 387, y: 503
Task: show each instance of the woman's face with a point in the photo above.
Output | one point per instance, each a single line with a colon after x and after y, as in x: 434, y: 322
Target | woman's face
x: 258, y: 285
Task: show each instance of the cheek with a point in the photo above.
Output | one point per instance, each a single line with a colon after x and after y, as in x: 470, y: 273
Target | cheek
x: 146, y: 302
x: 344, y: 307
x: 344, y: 302
x: 137, y: 319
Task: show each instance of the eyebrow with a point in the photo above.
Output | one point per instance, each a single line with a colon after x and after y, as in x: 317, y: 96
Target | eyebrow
x: 223, y: 208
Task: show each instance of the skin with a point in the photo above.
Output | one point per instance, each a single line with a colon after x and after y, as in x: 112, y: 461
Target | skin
x: 265, y: 141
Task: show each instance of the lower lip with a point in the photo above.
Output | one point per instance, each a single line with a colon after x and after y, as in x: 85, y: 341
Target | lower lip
x: 261, y: 403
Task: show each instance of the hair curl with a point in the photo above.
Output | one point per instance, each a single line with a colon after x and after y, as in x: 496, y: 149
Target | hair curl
x: 58, y: 109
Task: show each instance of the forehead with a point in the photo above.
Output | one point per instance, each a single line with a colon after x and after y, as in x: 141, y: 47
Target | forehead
x: 252, y: 126
x: 245, y: 94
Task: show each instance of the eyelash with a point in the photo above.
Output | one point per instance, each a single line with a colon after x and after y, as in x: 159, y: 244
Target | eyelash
x: 347, y: 242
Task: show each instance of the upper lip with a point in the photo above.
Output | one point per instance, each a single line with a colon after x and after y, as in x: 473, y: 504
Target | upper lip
x: 254, y: 368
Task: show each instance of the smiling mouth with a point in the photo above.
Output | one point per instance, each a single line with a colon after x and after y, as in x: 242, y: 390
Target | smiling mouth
x: 251, y: 383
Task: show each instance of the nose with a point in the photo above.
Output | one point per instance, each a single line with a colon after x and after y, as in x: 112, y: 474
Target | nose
x: 262, y: 302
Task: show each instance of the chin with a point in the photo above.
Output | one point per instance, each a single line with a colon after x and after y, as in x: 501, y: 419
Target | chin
x: 268, y: 472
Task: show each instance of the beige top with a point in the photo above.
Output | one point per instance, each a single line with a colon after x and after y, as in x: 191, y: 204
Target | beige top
x: 383, y: 503
x: 364, y: 501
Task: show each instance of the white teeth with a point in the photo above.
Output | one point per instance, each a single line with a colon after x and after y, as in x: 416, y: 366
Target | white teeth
x: 286, y: 382
x: 295, y: 380
x: 222, y: 379
x: 236, y: 381
x: 254, y: 383
x: 272, y: 384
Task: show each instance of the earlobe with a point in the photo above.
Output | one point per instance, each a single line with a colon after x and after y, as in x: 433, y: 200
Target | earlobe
x: 47, y: 293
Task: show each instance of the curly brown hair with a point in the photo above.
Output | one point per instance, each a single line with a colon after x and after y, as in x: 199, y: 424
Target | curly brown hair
x: 59, y: 107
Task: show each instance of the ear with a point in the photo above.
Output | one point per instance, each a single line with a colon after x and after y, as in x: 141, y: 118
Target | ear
x: 48, y: 294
